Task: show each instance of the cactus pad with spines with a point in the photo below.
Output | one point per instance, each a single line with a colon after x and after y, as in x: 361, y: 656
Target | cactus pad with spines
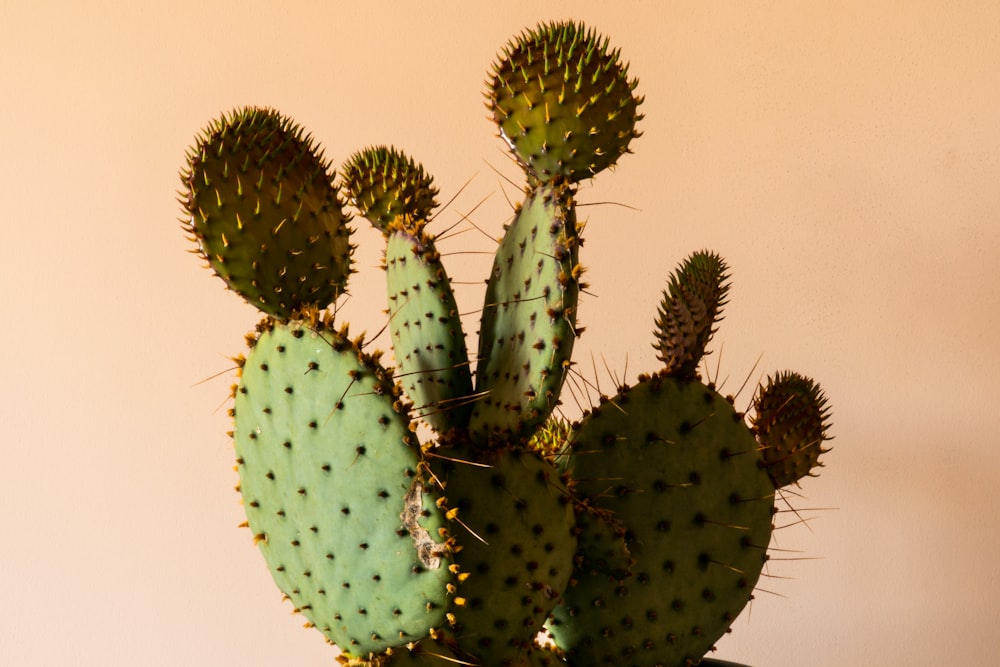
x: 691, y: 306
x: 791, y: 421
x: 262, y: 207
x: 388, y: 187
x: 326, y: 455
x: 529, y: 318
x: 676, y: 464
x: 563, y: 101
x: 513, y: 530
x: 426, y: 332
x: 397, y: 196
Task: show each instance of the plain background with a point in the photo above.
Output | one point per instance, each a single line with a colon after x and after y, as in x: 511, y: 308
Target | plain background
x: 843, y: 156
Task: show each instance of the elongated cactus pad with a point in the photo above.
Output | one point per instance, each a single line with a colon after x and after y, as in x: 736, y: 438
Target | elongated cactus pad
x: 262, y: 207
x: 388, y: 187
x: 426, y: 332
x: 513, y: 530
x: 529, y: 318
x: 563, y: 102
x: 675, y: 463
x: 397, y: 196
x: 689, y: 311
x: 791, y: 422
x: 330, y: 482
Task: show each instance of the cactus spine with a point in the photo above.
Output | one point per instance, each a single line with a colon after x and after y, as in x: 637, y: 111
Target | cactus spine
x: 637, y: 533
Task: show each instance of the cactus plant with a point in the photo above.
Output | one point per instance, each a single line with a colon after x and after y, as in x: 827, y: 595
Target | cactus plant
x: 633, y: 536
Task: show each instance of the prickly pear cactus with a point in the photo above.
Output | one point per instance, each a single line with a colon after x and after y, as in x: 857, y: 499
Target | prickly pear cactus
x: 511, y: 536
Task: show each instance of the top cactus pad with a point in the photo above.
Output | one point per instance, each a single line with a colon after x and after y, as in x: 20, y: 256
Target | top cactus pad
x: 563, y: 102
x: 261, y: 204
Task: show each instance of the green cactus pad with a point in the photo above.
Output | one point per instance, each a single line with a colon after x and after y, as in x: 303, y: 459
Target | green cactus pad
x: 426, y: 332
x: 529, y: 318
x: 332, y: 490
x: 691, y: 307
x: 676, y: 464
x: 791, y: 422
x: 388, y: 188
x: 563, y: 102
x: 263, y: 210
x: 513, y: 530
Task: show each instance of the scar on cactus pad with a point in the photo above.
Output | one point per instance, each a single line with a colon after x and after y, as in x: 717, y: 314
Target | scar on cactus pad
x: 634, y: 534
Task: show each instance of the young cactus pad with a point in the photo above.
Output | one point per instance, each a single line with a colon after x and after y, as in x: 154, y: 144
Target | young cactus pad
x: 263, y: 210
x: 563, y: 102
x: 791, y: 422
x: 397, y: 196
x: 691, y: 306
x: 388, y: 187
x: 330, y: 485
x: 675, y: 463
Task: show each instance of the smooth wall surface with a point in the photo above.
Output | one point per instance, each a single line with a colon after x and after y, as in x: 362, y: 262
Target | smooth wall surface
x: 843, y: 156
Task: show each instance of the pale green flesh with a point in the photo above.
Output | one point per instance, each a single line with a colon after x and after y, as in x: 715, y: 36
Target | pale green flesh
x: 325, y: 467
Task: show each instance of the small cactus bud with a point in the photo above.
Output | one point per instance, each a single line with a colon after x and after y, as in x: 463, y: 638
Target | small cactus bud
x: 791, y: 422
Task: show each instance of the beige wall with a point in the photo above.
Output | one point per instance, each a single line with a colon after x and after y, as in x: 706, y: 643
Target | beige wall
x: 844, y: 156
